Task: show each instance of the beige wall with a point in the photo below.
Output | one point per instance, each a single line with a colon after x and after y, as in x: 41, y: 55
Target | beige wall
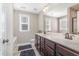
x: 37, y: 23
x: 41, y: 21
x: 23, y: 37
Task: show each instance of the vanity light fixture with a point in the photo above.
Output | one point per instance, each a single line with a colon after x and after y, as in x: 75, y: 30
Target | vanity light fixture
x: 35, y: 9
x: 45, y: 9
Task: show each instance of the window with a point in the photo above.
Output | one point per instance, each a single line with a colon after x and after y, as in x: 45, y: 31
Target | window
x: 63, y: 24
x: 24, y: 23
x: 48, y: 24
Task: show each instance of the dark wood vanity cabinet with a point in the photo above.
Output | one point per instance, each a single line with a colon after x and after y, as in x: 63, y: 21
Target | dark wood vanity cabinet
x: 47, y: 47
x: 64, y: 51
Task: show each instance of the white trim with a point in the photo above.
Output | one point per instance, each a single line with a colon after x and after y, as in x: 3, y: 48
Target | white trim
x: 20, y: 24
x: 23, y: 44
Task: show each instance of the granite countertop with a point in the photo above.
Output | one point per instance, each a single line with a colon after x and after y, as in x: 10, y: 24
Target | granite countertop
x: 60, y: 38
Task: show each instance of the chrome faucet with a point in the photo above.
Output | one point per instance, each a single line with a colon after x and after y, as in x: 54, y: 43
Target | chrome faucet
x: 68, y: 36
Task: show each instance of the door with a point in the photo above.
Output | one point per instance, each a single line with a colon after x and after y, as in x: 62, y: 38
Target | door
x: 6, y: 34
x: 2, y: 32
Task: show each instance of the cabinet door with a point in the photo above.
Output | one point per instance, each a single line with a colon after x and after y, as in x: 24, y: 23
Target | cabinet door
x: 42, y: 46
x: 50, y: 44
x: 49, y: 48
x: 49, y: 51
x: 65, y: 51
x: 39, y: 44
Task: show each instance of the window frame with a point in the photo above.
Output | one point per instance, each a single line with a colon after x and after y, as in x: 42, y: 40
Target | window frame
x: 21, y: 23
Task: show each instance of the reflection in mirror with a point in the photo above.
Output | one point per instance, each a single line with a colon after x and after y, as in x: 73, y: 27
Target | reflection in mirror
x: 57, y: 20
x: 48, y: 23
x: 78, y: 22
x: 74, y: 25
x: 74, y: 19
x: 63, y: 24
x: 51, y: 24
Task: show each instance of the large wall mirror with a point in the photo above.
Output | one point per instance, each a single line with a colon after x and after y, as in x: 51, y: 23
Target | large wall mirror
x: 74, y: 18
x: 58, y: 21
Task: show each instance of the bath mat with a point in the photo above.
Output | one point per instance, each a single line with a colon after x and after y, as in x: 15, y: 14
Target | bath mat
x: 28, y: 53
x: 24, y: 47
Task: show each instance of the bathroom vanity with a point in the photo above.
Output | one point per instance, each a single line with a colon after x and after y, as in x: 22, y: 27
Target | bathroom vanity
x: 56, y: 45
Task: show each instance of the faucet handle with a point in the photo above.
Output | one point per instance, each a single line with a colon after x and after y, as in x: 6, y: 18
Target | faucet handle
x: 70, y: 37
x: 67, y: 35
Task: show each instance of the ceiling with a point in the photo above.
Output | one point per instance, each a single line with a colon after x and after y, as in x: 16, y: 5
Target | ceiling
x: 30, y: 7
x: 58, y: 9
x: 54, y: 9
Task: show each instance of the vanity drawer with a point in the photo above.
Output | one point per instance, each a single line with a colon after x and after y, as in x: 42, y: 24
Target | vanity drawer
x: 65, y: 51
x: 50, y: 44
